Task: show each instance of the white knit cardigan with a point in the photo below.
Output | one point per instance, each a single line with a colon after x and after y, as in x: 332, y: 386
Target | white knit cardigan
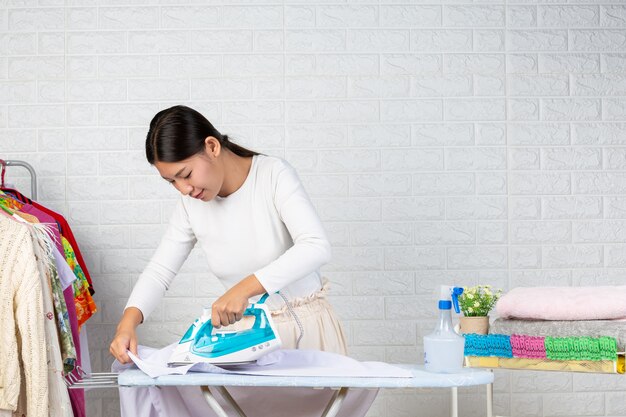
x: 22, y: 341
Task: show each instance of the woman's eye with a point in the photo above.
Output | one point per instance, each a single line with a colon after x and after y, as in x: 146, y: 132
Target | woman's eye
x: 188, y: 175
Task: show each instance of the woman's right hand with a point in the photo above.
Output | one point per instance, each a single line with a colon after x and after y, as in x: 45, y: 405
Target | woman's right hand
x: 125, y: 338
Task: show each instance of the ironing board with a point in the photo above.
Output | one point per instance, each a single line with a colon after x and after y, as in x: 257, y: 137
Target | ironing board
x: 341, y: 385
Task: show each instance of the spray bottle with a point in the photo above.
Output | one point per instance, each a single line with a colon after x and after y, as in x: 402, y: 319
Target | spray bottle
x: 443, y: 348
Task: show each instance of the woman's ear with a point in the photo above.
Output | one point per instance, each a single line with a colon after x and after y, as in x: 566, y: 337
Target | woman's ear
x: 212, y: 147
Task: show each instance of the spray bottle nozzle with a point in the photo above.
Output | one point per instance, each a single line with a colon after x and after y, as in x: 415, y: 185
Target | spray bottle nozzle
x: 449, y: 296
x: 456, y: 292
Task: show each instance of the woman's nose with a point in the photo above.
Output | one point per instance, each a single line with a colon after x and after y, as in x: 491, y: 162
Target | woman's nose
x: 185, y: 188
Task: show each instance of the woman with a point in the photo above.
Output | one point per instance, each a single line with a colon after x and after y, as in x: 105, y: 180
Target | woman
x: 256, y: 225
x: 260, y: 233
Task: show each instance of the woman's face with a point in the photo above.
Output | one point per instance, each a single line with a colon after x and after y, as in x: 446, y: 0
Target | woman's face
x: 200, y: 176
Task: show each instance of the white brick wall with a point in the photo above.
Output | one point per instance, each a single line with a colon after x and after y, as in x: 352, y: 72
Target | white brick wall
x: 442, y: 141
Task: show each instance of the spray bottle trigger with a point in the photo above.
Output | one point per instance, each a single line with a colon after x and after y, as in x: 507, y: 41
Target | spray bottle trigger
x: 456, y: 291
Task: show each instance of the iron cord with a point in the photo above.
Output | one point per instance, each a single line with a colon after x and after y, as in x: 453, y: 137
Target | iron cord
x: 295, y: 317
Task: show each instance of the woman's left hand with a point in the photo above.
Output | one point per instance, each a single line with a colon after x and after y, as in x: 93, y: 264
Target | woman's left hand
x: 228, y: 309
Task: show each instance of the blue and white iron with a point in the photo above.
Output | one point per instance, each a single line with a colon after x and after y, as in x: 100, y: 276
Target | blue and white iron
x: 203, y: 343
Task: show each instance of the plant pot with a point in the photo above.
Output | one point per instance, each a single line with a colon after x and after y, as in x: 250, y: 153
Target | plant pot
x: 478, y: 325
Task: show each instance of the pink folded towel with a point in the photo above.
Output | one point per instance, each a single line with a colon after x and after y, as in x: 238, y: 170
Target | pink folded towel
x: 564, y: 303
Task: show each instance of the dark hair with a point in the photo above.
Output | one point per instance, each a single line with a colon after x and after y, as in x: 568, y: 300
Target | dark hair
x: 179, y: 132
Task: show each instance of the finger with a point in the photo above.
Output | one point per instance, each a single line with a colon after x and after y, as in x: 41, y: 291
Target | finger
x: 215, y: 320
x: 231, y: 318
x: 113, y: 351
x: 120, y: 350
x: 238, y: 316
x: 224, y: 320
x: 133, y: 346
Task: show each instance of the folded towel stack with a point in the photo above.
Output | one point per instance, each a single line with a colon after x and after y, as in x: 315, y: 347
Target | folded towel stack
x: 585, y: 324
x: 570, y: 309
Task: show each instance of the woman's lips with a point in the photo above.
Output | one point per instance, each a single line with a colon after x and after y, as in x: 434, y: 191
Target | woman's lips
x: 199, y: 195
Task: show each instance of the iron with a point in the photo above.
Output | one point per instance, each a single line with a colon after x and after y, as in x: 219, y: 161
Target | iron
x: 203, y: 343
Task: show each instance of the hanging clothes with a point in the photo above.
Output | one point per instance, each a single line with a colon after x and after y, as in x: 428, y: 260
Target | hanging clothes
x: 85, y: 305
x: 68, y: 348
x: 27, y: 217
x: 10, y: 202
x: 64, y: 303
x: 45, y: 218
x: 66, y: 275
x: 64, y: 403
x: 83, y: 301
x: 21, y: 309
x: 59, y: 397
x: 60, y: 272
x: 64, y: 229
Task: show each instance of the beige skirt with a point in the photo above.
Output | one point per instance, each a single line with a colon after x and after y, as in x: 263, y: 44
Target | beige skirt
x: 322, y: 330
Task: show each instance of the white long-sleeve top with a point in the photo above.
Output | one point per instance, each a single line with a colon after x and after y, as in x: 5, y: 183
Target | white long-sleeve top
x: 268, y: 227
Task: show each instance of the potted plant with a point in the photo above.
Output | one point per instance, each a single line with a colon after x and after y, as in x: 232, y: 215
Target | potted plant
x: 476, y: 303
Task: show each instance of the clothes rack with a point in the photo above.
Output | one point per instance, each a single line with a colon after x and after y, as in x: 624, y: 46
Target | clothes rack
x: 33, y: 176
x: 52, y: 260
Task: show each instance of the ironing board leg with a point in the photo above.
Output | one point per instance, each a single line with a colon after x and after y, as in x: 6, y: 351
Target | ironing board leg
x: 455, y: 402
x: 208, y: 395
x: 224, y: 393
x: 489, y: 400
x: 335, y: 403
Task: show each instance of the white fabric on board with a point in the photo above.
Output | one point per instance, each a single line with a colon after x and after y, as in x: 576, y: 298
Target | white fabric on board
x: 254, y: 401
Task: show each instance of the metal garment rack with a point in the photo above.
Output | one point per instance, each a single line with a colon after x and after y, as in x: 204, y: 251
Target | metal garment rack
x: 80, y: 379
x: 33, y: 176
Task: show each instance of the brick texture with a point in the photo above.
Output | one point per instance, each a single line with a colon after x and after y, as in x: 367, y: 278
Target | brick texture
x: 441, y: 141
